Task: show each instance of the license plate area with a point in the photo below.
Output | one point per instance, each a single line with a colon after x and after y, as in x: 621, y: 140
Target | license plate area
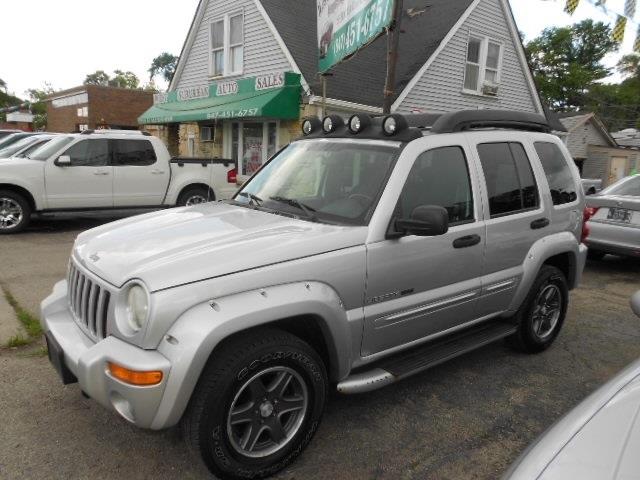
x: 56, y: 357
x: 619, y: 215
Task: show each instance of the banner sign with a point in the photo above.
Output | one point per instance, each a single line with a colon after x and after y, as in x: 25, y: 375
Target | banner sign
x: 345, y: 26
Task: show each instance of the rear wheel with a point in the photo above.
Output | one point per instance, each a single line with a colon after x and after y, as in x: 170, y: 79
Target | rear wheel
x: 257, y: 405
x: 542, y: 314
x: 194, y: 196
x: 15, y: 212
x: 595, y: 254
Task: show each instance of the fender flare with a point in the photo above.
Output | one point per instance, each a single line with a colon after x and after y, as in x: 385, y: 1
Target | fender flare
x: 192, y: 339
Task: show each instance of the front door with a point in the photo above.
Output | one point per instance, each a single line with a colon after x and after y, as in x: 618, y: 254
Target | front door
x: 139, y: 179
x: 86, y: 183
x: 420, y: 286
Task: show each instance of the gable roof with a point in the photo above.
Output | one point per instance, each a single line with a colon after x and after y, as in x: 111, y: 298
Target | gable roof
x: 361, y: 79
x: 574, y: 120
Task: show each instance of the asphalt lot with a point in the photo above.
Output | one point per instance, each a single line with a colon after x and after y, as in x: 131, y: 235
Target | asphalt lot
x: 468, y: 419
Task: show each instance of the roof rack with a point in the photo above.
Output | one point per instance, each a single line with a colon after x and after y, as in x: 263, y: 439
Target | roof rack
x: 478, y: 119
x: 106, y: 131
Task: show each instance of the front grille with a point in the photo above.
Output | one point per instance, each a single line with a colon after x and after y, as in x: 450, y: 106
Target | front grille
x: 89, y: 303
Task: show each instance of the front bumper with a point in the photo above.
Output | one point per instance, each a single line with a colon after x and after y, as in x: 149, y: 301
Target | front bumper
x: 87, y: 361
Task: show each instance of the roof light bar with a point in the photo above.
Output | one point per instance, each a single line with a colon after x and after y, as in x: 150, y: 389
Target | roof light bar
x: 331, y: 123
x: 311, y: 125
x: 358, y: 123
x: 393, y: 124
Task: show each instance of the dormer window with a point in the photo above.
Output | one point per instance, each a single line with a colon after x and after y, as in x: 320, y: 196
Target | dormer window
x: 484, y: 61
x: 226, y: 36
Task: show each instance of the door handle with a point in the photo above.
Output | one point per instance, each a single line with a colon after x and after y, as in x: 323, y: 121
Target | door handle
x: 157, y: 172
x: 468, y: 241
x: 540, y: 223
x: 100, y: 172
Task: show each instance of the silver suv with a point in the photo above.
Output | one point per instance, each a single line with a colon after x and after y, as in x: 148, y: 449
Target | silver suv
x: 359, y: 255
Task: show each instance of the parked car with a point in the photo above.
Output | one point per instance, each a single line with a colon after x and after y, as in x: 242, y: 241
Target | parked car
x: 14, y: 137
x: 598, y: 439
x: 614, y: 220
x: 357, y: 256
x: 25, y: 144
x: 106, y: 170
x: 5, y: 133
x: 591, y: 186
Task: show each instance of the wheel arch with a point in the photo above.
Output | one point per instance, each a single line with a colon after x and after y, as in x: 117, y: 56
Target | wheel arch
x: 184, y: 189
x: 22, y: 191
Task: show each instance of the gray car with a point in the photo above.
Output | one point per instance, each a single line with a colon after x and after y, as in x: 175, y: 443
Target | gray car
x: 599, y: 439
x: 614, y: 220
x: 359, y: 255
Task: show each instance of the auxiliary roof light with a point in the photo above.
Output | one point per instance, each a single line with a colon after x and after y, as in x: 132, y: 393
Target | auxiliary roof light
x: 310, y: 125
x: 393, y: 124
x: 357, y: 123
x: 331, y: 123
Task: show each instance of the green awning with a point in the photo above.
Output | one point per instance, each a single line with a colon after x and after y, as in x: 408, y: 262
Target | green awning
x: 267, y: 96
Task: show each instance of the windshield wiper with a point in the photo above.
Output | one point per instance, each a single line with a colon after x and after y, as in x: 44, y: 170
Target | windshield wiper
x: 308, y: 211
x: 252, y: 198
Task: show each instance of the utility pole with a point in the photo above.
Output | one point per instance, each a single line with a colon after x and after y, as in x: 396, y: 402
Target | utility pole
x: 393, y: 41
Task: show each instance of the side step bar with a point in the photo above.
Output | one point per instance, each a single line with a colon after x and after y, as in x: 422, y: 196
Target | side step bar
x: 407, y: 363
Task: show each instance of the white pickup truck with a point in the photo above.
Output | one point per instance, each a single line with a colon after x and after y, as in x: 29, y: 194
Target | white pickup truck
x: 106, y: 170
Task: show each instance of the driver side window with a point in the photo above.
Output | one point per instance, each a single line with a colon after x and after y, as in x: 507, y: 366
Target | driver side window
x: 439, y: 177
x: 89, y: 153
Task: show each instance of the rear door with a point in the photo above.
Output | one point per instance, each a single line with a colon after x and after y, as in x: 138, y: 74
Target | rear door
x: 87, y: 182
x: 139, y: 177
x: 421, y: 286
x: 514, y: 214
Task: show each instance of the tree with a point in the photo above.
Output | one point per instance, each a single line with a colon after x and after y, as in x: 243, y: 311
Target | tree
x: 164, y: 64
x: 124, y: 80
x: 38, y: 106
x: 3, y: 85
x: 99, y: 77
x: 629, y: 65
x: 567, y: 62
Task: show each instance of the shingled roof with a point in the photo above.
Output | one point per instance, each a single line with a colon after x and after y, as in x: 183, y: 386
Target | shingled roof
x: 361, y: 79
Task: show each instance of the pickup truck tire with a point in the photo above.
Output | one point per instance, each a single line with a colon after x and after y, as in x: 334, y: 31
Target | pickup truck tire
x: 194, y: 196
x: 257, y: 405
x: 15, y: 212
x: 542, y: 314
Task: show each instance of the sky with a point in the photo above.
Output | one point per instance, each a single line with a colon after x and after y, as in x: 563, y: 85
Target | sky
x: 61, y: 41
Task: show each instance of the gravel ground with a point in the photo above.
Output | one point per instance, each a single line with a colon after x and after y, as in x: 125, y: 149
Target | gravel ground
x: 467, y: 419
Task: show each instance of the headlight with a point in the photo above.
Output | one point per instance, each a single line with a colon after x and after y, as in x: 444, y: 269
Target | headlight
x: 137, y: 307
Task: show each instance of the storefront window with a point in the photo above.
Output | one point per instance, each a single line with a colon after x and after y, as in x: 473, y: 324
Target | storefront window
x: 253, y: 143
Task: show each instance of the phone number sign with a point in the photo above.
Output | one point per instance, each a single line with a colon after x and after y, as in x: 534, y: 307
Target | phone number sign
x: 346, y: 26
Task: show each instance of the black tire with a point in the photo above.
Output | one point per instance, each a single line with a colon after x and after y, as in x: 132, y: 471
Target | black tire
x: 200, y: 193
x: 227, y: 377
x: 13, y: 200
x: 595, y: 254
x: 527, y: 339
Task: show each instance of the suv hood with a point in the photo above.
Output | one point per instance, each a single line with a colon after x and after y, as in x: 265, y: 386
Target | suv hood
x: 183, y: 245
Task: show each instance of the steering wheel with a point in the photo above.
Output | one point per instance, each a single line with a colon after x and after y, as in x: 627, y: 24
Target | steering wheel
x: 361, y: 198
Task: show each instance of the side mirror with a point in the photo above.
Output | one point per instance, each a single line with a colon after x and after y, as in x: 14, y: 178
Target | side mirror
x: 635, y: 303
x: 63, y: 161
x: 426, y: 221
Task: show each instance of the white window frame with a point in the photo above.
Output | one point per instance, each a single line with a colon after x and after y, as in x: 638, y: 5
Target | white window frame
x: 227, y: 143
x: 484, y: 51
x: 227, y: 47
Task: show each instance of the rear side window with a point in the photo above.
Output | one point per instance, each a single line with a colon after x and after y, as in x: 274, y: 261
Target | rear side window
x: 561, y: 182
x: 510, y: 182
x: 89, y: 153
x: 440, y: 177
x: 139, y: 153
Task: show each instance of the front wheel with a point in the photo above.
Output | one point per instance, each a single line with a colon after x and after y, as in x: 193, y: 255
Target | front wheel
x: 257, y: 405
x: 542, y: 314
x: 15, y: 212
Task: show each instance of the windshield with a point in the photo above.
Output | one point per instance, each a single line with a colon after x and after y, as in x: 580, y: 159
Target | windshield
x: 627, y: 186
x: 11, y: 139
x: 49, y: 148
x: 32, y: 148
x: 7, y: 152
x: 330, y: 181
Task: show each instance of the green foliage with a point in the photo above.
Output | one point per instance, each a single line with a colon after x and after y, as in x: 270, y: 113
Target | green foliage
x: 3, y: 85
x: 164, y: 64
x: 30, y: 322
x: 17, y: 341
x: 38, y: 106
x: 567, y: 62
x: 119, y: 79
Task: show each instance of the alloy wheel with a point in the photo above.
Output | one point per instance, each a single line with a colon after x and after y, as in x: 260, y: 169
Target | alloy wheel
x: 547, y: 311
x: 11, y: 213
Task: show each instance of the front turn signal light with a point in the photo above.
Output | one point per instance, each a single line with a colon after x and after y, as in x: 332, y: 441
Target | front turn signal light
x: 133, y: 377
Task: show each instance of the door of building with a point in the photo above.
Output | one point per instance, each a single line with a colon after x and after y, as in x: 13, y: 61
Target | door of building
x: 250, y: 144
x: 618, y: 169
